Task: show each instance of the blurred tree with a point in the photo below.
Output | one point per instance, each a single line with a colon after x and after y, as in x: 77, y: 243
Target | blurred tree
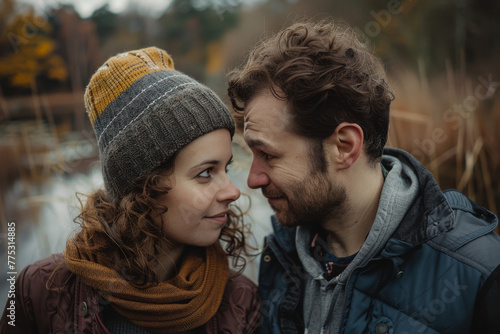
x: 77, y: 43
x: 213, y: 18
x: 482, y: 31
x: 435, y: 31
x: 133, y: 29
x: 189, y: 27
x: 6, y: 12
x: 105, y: 21
x: 29, y: 54
x: 427, y: 30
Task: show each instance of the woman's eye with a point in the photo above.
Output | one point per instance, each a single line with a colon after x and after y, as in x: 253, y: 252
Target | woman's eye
x: 229, y: 164
x: 206, y: 173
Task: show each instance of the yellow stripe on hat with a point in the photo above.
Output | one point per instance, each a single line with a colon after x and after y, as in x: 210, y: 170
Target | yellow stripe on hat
x: 119, y: 73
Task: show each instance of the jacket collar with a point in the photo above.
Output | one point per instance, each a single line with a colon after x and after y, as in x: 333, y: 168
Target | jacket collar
x: 430, y: 215
x: 285, y: 236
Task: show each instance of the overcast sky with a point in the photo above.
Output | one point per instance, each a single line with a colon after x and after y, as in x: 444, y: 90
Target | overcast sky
x: 86, y: 7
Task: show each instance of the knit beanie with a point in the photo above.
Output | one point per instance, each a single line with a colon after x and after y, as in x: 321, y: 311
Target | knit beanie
x: 143, y: 112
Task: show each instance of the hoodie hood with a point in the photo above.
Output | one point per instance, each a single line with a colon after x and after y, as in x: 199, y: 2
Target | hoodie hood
x: 399, y: 206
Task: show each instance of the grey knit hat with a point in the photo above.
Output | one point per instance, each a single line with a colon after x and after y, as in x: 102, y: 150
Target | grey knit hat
x: 143, y: 112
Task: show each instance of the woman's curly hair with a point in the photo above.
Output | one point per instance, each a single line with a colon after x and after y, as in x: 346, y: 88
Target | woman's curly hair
x: 129, y: 237
x: 325, y: 74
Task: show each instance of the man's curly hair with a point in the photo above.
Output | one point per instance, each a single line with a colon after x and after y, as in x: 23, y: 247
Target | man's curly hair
x: 326, y: 75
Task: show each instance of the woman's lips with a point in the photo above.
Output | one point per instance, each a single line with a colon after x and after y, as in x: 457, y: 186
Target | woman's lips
x: 220, y: 217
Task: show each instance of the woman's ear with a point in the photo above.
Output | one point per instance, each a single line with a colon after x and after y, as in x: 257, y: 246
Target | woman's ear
x: 347, y: 141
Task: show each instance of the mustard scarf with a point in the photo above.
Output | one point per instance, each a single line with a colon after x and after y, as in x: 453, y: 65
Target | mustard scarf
x: 182, y: 303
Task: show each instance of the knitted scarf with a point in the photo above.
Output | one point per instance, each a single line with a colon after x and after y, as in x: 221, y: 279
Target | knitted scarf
x: 184, y: 302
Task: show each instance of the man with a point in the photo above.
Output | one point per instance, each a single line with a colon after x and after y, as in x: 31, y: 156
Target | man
x: 364, y: 240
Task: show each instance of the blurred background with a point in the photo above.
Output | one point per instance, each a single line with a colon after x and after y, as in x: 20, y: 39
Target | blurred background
x: 441, y: 58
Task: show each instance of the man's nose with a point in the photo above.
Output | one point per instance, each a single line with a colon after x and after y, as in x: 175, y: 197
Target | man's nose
x: 257, y: 177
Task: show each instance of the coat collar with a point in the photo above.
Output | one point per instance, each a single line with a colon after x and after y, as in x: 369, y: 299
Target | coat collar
x: 430, y: 215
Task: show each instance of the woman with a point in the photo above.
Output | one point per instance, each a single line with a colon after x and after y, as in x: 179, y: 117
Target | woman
x: 148, y: 257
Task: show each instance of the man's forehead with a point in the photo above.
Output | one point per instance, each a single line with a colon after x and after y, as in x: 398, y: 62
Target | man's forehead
x: 266, y: 113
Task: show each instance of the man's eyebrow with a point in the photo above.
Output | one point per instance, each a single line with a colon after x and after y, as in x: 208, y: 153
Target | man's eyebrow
x: 259, y: 143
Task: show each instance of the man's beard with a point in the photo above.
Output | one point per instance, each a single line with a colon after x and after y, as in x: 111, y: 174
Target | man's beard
x: 313, y: 200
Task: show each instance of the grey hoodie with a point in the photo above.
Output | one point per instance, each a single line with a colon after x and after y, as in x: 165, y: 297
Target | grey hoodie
x: 324, y: 300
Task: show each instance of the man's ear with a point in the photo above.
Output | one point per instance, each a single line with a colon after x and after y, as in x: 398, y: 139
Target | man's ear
x: 348, y: 143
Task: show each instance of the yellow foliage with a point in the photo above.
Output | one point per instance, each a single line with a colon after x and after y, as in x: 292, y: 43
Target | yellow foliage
x: 57, y: 73
x: 31, y: 65
x: 44, y: 48
x: 29, y: 25
x: 32, y: 52
x: 215, y: 59
x: 56, y: 68
x: 22, y: 79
